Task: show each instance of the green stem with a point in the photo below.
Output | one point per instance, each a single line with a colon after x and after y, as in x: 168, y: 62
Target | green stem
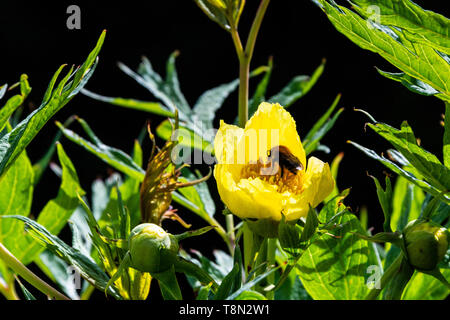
x: 245, y: 57
x: 231, y: 236
x: 387, y: 276
x: 19, y: 268
x: 251, y: 40
x: 271, y: 247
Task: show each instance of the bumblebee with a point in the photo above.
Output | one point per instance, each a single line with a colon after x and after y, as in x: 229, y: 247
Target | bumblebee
x: 281, y: 157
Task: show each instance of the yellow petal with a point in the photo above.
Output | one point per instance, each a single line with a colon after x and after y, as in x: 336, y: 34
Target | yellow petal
x: 317, y: 185
x: 271, y: 126
x: 248, y: 198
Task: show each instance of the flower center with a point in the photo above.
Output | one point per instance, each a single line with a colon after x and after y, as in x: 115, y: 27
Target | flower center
x: 273, y: 173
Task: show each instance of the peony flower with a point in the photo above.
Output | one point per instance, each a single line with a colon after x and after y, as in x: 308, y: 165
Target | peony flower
x: 252, y: 185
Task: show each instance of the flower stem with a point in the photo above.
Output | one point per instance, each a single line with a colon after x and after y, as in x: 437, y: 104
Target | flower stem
x: 19, y: 268
x: 245, y: 57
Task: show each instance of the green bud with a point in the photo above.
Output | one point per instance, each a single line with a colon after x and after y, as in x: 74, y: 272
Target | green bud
x: 151, y: 248
x: 426, y: 244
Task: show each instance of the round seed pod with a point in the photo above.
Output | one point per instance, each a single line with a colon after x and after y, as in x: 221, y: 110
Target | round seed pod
x: 426, y: 244
x: 151, y: 248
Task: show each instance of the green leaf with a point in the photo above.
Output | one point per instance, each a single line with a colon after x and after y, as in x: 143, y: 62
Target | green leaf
x: 312, y: 139
x: 311, y: 225
x: 14, y: 102
x: 198, y: 194
x: 112, y: 212
x: 426, y: 163
x: 409, y: 47
x: 186, y: 137
x: 3, y: 89
x: 446, y: 148
x: 411, y: 83
x: 252, y: 283
x: 85, y: 266
x: 292, y: 287
x: 13, y: 143
x: 151, y: 107
x: 112, y: 156
x: 404, y: 173
x: 58, y: 270
x: 41, y: 165
x: 56, y: 212
x: 289, y: 236
x: 423, y: 26
x: 233, y: 280
x: 426, y: 287
x: 407, y: 201
x: 385, y: 200
x: 210, y: 101
x: 26, y: 293
x: 250, y: 295
x: 333, y: 268
x: 217, y: 269
x: 168, y: 284
x: 297, y: 87
x: 214, y: 9
x: 165, y: 90
x: 15, y: 199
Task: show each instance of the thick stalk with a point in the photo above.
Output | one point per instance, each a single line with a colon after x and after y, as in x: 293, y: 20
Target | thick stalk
x: 19, y: 268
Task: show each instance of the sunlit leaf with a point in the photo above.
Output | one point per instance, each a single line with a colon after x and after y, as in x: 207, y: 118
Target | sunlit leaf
x: 402, y: 33
x: 13, y: 143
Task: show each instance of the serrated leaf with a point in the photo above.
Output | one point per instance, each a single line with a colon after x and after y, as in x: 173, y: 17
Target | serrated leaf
x: 14, y: 102
x: 112, y: 156
x: 210, y: 101
x: 412, y: 52
x: 13, y: 143
x: 423, y: 26
x: 411, y: 83
x: 406, y: 174
x: 426, y: 163
x: 85, y: 266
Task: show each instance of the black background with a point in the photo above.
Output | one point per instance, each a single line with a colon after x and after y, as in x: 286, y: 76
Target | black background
x: 34, y: 40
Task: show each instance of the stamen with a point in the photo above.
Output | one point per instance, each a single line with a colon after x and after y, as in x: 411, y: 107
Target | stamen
x: 284, y: 179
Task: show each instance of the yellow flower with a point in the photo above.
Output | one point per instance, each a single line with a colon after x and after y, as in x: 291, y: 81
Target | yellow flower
x: 246, y: 185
